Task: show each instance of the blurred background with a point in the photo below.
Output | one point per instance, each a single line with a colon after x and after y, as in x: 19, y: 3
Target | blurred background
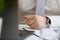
x: 8, y: 20
x: 9, y: 15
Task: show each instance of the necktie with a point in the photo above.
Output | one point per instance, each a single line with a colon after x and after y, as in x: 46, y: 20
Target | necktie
x: 40, y: 8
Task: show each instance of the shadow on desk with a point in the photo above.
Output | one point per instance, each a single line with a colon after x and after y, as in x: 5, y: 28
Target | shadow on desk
x: 24, y: 34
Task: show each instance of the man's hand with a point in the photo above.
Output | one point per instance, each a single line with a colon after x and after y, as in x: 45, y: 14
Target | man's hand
x: 35, y: 22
